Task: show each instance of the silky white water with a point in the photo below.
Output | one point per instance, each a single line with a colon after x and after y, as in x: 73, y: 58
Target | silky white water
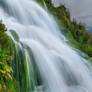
x: 60, y: 67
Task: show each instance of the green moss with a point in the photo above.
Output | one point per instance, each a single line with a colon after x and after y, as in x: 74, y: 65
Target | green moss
x: 15, y: 35
x: 41, y: 2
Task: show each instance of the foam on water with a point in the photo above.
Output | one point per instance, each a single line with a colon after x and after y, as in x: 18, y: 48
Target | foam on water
x: 61, y: 68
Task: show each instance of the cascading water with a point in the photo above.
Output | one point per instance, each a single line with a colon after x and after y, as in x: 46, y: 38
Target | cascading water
x: 60, y: 68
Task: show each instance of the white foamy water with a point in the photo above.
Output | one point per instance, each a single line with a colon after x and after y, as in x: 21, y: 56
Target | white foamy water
x: 61, y: 68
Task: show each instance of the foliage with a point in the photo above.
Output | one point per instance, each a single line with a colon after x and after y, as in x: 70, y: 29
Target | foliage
x: 5, y: 71
x: 9, y: 86
x: 2, y: 27
x: 6, y: 57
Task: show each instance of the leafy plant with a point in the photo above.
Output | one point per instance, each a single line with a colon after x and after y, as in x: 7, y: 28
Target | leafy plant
x: 7, y: 47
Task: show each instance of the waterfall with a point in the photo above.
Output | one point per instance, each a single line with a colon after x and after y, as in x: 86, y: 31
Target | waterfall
x: 49, y: 63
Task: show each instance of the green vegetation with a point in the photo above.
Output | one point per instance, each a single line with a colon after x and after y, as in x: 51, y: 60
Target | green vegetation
x: 7, y: 82
x: 15, y: 35
x: 76, y: 33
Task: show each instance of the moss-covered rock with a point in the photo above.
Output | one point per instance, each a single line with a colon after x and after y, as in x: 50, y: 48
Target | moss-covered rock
x: 15, y: 35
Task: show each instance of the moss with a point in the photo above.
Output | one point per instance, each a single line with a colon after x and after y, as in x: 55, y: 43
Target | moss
x: 15, y: 35
x: 40, y: 2
x: 25, y: 77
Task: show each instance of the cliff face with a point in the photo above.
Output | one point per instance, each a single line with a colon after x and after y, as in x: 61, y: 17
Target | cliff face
x: 76, y: 33
x: 7, y: 81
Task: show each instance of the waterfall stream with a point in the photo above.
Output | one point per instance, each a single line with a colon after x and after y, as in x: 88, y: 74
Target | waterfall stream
x: 46, y: 57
